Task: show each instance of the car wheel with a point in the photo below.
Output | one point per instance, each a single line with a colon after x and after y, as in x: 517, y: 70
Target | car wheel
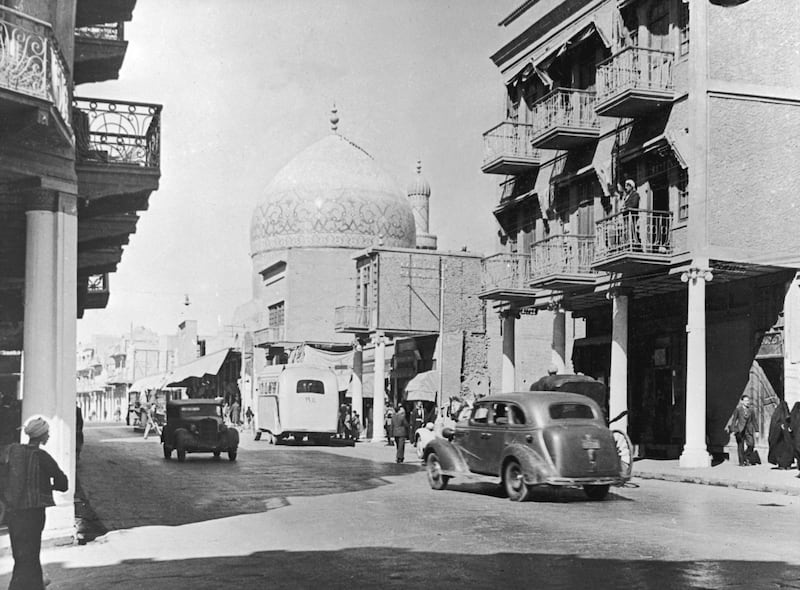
x: 232, y: 454
x: 436, y: 479
x: 167, y: 452
x: 217, y: 454
x: 596, y: 492
x: 516, y: 488
x: 181, y: 451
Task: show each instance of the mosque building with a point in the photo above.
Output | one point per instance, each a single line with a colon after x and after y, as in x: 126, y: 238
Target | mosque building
x: 319, y: 233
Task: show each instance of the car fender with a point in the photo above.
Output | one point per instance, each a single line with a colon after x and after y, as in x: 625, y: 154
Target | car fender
x: 535, y: 468
x: 450, y: 457
x: 232, y: 438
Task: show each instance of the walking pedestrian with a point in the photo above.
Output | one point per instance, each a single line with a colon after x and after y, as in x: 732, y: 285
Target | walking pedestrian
x: 387, y: 425
x: 741, y: 424
x: 33, y: 475
x: 148, y: 414
x: 781, y: 448
x: 249, y: 416
x: 400, y: 432
x: 235, y: 410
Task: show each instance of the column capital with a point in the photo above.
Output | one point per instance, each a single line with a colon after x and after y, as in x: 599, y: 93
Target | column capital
x: 377, y: 338
x: 614, y: 292
x: 697, y: 273
x: 42, y: 199
x: 509, y: 313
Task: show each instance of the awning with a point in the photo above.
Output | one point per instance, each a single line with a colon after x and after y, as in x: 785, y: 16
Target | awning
x: 423, y: 387
x: 150, y: 382
x: 205, y: 365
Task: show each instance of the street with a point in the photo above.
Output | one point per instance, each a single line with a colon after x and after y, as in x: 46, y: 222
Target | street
x: 342, y: 516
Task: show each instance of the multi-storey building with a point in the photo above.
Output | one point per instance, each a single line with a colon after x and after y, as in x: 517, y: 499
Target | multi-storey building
x: 74, y: 173
x: 689, y: 299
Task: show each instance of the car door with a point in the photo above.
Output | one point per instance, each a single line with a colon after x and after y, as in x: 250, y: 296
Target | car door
x: 468, y: 437
x: 494, y: 438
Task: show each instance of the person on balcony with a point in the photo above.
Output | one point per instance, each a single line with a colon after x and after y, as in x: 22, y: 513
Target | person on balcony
x: 630, y: 214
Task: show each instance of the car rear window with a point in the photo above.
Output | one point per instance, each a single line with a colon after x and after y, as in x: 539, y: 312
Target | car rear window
x: 310, y: 386
x: 570, y: 410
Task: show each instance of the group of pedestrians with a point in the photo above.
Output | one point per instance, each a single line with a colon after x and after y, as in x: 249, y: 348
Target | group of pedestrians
x: 349, y: 424
x: 783, y: 436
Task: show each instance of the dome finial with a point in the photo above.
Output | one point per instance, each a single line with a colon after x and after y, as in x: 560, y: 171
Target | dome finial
x: 419, y: 165
x: 334, y: 119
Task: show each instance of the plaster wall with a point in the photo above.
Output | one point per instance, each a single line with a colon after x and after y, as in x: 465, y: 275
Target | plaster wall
x: 533, y: 341
x: 753, y: 167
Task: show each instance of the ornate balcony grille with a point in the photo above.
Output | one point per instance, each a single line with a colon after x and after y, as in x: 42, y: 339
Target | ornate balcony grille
x: 353, y: 316
x: 635, y: 68
x: 107, y: 32
x: 116, y: 132
x: 508, y: 139
x: 269, y: 335
x: 31, y: 62
x: 564, y: 107
x: 562, y: 254
x: 634, y: 231
x: 97, y: 284
x: 506, y: 271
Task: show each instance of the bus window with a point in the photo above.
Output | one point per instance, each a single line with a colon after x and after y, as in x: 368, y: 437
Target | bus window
x: 310, y: 386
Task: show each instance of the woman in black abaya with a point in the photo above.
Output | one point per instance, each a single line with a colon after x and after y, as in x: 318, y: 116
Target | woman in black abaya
x: 781, y: 445
x: 794, y: 426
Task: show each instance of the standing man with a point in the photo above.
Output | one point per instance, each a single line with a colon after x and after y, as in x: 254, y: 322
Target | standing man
x: 400, y: 432
x: 33, y: 475
x: 417, y: 418
x: 741, y: 424
x: 630, y: 215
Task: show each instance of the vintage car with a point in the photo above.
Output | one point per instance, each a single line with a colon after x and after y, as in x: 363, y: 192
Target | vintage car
x: 532, y: 439
x: 197, y: 426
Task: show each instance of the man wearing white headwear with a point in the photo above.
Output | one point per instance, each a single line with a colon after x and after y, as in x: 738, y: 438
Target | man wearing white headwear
x: 33, y: 475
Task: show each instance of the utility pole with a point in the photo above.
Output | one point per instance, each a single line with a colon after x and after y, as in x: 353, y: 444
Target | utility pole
x: 439, y: 394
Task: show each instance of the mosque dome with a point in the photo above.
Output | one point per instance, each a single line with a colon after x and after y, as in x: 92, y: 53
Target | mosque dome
x: 332, y: 195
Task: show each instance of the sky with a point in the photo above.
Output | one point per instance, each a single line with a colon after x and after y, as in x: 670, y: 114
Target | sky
x: 246, y: 85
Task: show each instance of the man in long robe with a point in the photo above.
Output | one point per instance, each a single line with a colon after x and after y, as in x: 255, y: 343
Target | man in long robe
x: 781, y: 446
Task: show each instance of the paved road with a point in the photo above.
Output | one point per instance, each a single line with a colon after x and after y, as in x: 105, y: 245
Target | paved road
x: 304, y: 517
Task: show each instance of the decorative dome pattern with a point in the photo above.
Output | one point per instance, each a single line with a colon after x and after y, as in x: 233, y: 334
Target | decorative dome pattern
x: 332, y: 194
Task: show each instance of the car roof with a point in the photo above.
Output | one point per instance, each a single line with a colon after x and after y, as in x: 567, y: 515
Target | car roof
x: 535, y: 398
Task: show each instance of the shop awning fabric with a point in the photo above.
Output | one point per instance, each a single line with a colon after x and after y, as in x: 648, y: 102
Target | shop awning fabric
x: 423, y: 387
x: 148, y: 383
x: 205, y: 365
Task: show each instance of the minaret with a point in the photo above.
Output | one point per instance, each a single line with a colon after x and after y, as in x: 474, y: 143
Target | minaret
x: 419, y: 193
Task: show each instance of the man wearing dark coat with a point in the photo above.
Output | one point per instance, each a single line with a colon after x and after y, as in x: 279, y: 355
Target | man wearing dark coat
x: 400, y: 432
x: 741, y: 425
x: 781, y: 447
x: 794, y: 426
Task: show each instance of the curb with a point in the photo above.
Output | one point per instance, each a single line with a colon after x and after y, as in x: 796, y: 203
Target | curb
x: 742, y: 485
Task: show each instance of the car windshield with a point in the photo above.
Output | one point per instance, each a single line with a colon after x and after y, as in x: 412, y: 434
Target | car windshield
x: 200, y: 410
x: 570, y: 410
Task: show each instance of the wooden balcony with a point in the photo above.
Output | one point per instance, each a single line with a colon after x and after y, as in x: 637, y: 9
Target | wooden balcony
x: 93, y: 292
x: 507, y: 149
x: 355, y: 319
x: 269, y: 335
x: 34, y: 81
x: 633, y: 241
x: 634, y: 82
x: 564, y: 119
x: 505, y: 277
x: 563, y: 262
x: 99, y: 52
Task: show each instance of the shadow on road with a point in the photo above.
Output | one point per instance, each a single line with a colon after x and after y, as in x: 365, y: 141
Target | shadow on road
x: 385, y: 568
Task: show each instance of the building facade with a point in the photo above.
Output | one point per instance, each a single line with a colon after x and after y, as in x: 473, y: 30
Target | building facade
x: 687, y: 297
x: 74, y: 174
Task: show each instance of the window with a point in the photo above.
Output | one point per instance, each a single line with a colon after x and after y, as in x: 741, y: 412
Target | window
x: 276, y: 315
x: 499, y: 414
x: 516, y: 415
x: 569, y: 411
x: 683, y: 195
x: 310, y: 386
x: 658, y: 24
x: 480, y: 415
x: 683, y: 29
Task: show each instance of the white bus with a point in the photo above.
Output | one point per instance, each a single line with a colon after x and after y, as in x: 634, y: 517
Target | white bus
x: 298, y: 401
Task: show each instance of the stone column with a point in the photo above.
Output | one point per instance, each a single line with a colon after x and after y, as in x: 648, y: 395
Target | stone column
x: 50, y: 332
x: 509, y: 372
x: 695, y: 451
x: 356, y: 390
x: 618, y: 379
x: 558, y: 352
x: 378, y: 408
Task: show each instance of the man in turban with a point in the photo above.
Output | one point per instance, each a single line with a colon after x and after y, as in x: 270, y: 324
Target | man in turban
x: 32, y: 477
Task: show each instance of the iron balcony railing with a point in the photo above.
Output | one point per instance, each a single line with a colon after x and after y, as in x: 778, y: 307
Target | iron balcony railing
x: 353, y: 316
x: 635, y: 68
x: 107, y: 32
x: 118, y: 132
x: 506, y: 271
x: 634, y: 231
x: 562, y: 254
x: 31, y: 61
x: 564, y: 107
x: 508, y: 139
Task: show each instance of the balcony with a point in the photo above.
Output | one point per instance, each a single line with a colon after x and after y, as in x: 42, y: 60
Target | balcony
x: 269, y: 335
x: 633, y: 241
x: 34, y: 77
x: 506, y: 277
x: 99, y: 52
x: 564, y: 119
x: 507, y: 149
x: 563, y: 262
x: 354, y: 318
x: 96, y: 293
x: 634, y: 82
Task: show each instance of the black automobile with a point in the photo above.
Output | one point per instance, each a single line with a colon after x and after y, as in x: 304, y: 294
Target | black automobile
x: 197, y: 426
